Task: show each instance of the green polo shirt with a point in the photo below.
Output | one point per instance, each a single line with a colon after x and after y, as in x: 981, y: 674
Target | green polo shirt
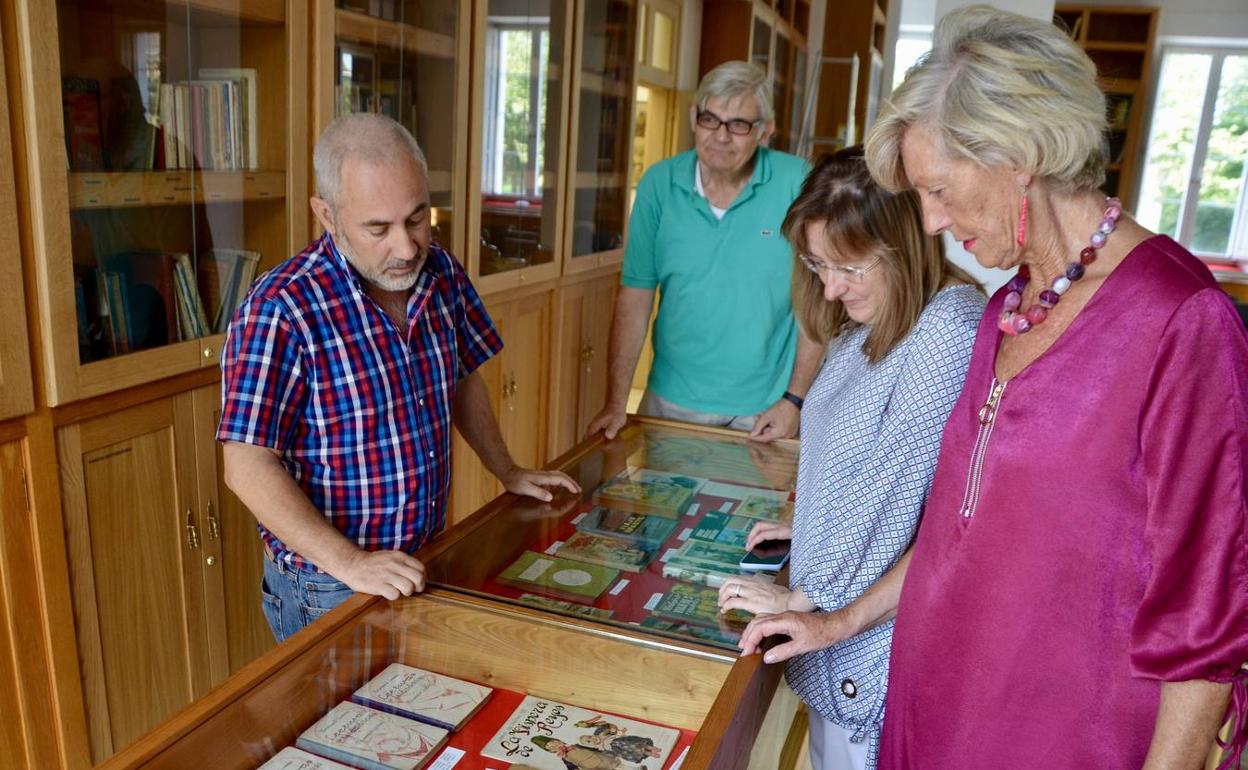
x: 724, y: 338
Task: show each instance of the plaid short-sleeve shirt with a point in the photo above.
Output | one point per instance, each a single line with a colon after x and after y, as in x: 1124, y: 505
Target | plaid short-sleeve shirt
x: 359, y: 410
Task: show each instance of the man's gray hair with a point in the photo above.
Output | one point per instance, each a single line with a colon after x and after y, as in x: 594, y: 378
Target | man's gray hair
x: 363, y: 135
x: 737, y: 78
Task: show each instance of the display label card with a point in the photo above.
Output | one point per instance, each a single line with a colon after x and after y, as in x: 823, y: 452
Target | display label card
x: 680, y: 760
x: 580, y: 516
x: 692, y: 510
x: 619, y: 587
x: 553, y: 547
x: 685, y: 535
x: 654, y: 602
x: 669, y: 553
x: 726, y: 506
x: 452, y: 755
x: 535, y: 570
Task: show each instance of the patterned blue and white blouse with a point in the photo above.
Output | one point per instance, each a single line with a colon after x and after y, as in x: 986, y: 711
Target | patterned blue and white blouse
x: 869, y: 439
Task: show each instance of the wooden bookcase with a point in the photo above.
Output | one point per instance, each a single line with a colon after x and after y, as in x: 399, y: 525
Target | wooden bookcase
x: 1120, y: 40
x: 16, y: 396
x: 855, y: 27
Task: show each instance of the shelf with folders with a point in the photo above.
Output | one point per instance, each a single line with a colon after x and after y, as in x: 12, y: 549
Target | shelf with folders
x: 161, y: 176
x: 602, y: 141
x: 405, y: 60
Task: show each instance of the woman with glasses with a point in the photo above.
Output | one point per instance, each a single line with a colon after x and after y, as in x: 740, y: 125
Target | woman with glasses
x: 705, y: 227
x: 898, y: 321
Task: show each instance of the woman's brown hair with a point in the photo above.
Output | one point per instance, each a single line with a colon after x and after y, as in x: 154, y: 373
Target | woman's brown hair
x: 862, y: 220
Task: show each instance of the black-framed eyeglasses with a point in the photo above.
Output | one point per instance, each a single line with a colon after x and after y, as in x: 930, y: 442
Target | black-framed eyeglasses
x: 739, y: 126
x: 850, y: 273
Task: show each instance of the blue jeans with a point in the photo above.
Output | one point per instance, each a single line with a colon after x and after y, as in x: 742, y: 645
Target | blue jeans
x: 292, y: 598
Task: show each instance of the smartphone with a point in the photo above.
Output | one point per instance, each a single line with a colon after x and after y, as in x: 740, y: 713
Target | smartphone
x: 767, y: 556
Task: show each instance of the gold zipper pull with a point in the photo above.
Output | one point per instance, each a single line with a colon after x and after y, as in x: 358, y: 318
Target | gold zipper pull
x: 989, y: 410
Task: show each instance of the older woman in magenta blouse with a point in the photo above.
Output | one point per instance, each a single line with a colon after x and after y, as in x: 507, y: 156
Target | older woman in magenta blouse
x: 1077, y: 594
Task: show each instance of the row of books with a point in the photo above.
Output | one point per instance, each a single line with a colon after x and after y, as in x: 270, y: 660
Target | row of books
x: 210, y: 123
x: 137, y: 300
x: 402, y: 717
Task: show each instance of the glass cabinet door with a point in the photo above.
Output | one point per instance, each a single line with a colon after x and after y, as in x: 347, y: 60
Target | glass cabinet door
x: 174, y: 138
x: 520, y: 137
x: 603, y: 137
x: 404, y: 60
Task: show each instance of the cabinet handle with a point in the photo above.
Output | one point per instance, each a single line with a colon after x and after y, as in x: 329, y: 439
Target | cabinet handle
x: 208, y: 352
x: 214, y: 526
x: 192, y: 533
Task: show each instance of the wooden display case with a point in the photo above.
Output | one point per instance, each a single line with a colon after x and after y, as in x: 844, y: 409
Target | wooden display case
x: 158, y: 182
x: 265, y: 707
x: 848, y: 97
x: 16, y: 394
x: 728, y: 468
x: 1120, y: 41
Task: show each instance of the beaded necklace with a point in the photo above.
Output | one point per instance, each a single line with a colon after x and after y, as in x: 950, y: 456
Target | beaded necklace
x: 1013, y: 320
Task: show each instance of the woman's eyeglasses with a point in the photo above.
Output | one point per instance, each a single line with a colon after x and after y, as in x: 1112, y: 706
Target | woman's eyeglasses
x: 845, y: 272
x: 739, y: 126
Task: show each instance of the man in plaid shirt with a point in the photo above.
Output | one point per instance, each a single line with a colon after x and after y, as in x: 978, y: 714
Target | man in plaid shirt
x: 344, y: 369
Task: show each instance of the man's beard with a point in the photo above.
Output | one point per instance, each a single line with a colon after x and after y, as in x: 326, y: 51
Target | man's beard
x: 378, y: 277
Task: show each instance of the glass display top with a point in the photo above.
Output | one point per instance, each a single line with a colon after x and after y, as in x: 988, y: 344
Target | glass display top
x: 660, y: 523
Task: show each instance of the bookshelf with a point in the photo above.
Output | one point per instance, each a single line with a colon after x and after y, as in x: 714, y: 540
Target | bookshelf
x: 860, y: 28
x: 160, y: 178
x: 1120, y: 41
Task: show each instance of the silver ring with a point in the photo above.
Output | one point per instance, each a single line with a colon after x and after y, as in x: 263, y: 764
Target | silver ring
x: 738, y: 593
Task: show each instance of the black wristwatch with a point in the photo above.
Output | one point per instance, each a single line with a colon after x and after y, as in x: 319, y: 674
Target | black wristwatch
x: 795, y: 400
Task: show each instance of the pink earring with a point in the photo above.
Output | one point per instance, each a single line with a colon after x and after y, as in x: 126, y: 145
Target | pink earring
x: 1022, y: 220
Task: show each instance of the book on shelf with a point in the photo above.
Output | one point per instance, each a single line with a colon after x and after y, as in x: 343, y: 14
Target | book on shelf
x: 723, y: 528
x: 648, y: 532
x: 548, y: 735
x: 84, y: 126
x: 244, y: 119
x: 425, y: 696
x: 194, y: 322
x: 698, y: 606
x: 374, y: 740
x: 566, y: 579
x: 605, y: 551
x: 652, y: 498
x: 291, y: 758
x: 151, y: 302
x: 572, y: 608
x: 211, y: 123
x: 224, y: 276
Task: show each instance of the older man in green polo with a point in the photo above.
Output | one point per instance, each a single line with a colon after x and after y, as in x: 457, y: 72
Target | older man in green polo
x: 705, y: 228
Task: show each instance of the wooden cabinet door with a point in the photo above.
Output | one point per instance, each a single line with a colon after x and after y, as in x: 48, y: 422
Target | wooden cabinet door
x: 596, y: 331
x: 472, y: 486
x: 12, y: 509
x: 15, y: 388
x: 525, y: 361
x: 246, y: 635
x: 570, y: 361
x: 137, y: 548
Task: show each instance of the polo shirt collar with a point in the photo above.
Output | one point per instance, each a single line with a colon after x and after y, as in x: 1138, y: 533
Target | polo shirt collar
x: 685, y: 179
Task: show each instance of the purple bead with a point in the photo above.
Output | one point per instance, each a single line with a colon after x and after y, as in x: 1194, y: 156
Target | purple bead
x: 1074, y: 271
x: 1017, y: 284
x: 1097, y: 240
x: 1012, y: 301
x: 1049, y: 298
x: 1106, y: 226
x: 1020, y: 323
x: 1113, y: 208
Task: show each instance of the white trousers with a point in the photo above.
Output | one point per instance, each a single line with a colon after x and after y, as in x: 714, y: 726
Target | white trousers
x: 654, y: 405
x: 830, y: 747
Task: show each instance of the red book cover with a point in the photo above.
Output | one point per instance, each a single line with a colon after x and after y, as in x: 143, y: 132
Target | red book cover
x: 84, y: 135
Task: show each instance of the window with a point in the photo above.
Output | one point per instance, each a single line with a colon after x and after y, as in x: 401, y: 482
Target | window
x: 1194, y: 182
x: 516, y: 54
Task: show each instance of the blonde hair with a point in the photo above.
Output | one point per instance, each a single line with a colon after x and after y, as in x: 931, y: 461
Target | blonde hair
x: 862, y: 219
x: 999, y: 89
x: 737, y: 78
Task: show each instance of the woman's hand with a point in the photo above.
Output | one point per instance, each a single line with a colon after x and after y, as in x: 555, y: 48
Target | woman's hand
x: 754, y: 595
x: 806, y: 632
x: 768, y: 530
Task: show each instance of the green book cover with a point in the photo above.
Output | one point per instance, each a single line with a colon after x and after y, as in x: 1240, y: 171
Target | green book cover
x: 695, y: 573
x: 715, y: 555
x: 559, y: 605
x: 699, y: 606
x: 723, y: 528
x: 759, y: 507
x: 566, y: 579
x: 658, y: 498
x: 648, y: 532
x: 697, y: 632
x: 604, y: 551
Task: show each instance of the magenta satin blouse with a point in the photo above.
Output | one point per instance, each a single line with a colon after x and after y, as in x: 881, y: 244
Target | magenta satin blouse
x: 1087, y: 541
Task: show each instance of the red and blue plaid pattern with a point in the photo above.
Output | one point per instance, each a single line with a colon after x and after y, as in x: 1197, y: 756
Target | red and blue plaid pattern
x: 360, y: 412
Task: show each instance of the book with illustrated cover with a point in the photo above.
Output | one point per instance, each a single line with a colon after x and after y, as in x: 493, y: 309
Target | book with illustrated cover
x: 765, y: 507
x: 373, y: 740
x: 291, y: 758
x: 726, y: 558
x: 604, y: 551
x: 654, y: 498
x: 692, y: 483
x: 646, y: 532
x: 559, y: 605
x: 567, y: 579
x: 699, y: 606
x: 422, y: 695
x: 84, y: 128
x: 548, y: 735
x: 696, y: 573
x: 685, y: 629
x: 723, y: 528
